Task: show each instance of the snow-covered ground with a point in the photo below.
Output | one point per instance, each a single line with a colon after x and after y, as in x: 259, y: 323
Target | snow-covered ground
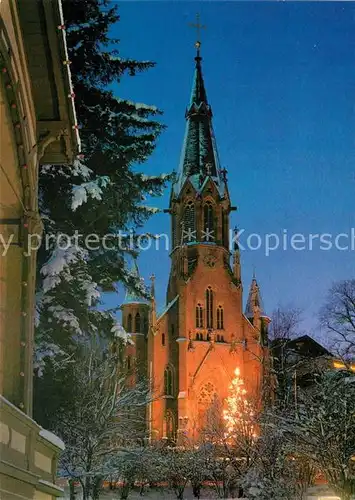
x: 316, y: 493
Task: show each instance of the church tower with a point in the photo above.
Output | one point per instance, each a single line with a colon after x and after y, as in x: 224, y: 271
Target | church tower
x: 202, y: 336
x: 135, y: 320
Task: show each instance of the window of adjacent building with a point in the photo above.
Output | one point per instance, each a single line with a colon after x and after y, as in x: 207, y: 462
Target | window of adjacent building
x: 129, y: 323
x: 220, y: 318
x: 209, y: 307
x: 168, y: 381
x: 128, y: 362
x: 199, y: 316
x: 208, y: 222
x: 138, y: 323
x: 189, y: 224
x: 163, y: 339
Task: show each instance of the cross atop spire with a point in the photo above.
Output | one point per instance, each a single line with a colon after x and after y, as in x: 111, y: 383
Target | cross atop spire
x: 198, y: 26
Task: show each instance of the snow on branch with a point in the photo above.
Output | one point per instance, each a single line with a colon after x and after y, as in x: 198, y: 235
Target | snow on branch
x: 58, y: 263
x: 77, y: 169
x: 119, y: 332
x: 93, y: 189
x: 43, y: 351
x: 138, y: 106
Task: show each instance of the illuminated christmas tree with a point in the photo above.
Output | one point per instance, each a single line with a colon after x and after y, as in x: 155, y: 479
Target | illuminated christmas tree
x: 239, y: 413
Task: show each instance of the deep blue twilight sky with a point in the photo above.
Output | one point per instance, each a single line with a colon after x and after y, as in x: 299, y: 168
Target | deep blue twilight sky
x: 281, y: 81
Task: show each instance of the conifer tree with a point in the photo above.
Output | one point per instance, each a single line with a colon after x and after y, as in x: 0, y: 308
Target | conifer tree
x: 101, y: 194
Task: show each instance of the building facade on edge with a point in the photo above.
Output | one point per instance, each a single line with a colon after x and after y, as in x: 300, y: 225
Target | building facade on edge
x: 37, y: 126
x: 191, y: 350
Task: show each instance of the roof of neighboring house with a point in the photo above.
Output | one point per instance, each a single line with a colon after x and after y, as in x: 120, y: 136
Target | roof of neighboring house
x: 43, y: 32
x: 305, y: 346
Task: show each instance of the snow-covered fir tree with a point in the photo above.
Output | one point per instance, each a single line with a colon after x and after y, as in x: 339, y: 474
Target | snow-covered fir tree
x: 102, y: 193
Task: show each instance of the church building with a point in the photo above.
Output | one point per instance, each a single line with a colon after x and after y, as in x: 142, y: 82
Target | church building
x: 191, y: 350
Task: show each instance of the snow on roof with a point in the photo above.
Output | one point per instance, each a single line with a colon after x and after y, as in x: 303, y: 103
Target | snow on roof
x: 52, y: 438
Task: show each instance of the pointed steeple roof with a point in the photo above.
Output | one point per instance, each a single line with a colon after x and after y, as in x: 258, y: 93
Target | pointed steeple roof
x: 198, y: 93
x: 254, y: 300
x: 133, y: 297
x: 199, y: 157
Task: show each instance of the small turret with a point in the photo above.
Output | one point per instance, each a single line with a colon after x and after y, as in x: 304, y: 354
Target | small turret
x: 254, y: 311
x: 135, y: 319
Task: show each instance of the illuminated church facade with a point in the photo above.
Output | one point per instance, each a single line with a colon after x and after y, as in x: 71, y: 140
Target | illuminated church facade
x: 191, y: 350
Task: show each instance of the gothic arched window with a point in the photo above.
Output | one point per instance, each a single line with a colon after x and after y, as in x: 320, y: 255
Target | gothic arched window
x: 208, y: 222
x: 199, y: 316
x: 168, y: 381
x: 220, y: 318
x: 129, y: 323
x: 145, y: 324
x: 189, y: 223
x: 209, y: 307
x: 138, y: 323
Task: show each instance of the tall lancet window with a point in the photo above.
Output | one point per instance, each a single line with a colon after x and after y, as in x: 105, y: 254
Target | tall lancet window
x: 138, y: 323
x: 129, y: 323
x: 209, y: 307
x: 208, y: 222
x: 189, y: 223
x: 145, y: 324
x: 220, y: 318
x: 199, y: 316
x: 168, y: 381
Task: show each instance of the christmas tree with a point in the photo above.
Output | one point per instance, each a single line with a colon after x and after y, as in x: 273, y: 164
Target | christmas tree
x: 239, y: 413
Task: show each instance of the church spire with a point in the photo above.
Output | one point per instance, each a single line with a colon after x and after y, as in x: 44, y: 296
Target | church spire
x: 199, y: 157
x: 198, y: 93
